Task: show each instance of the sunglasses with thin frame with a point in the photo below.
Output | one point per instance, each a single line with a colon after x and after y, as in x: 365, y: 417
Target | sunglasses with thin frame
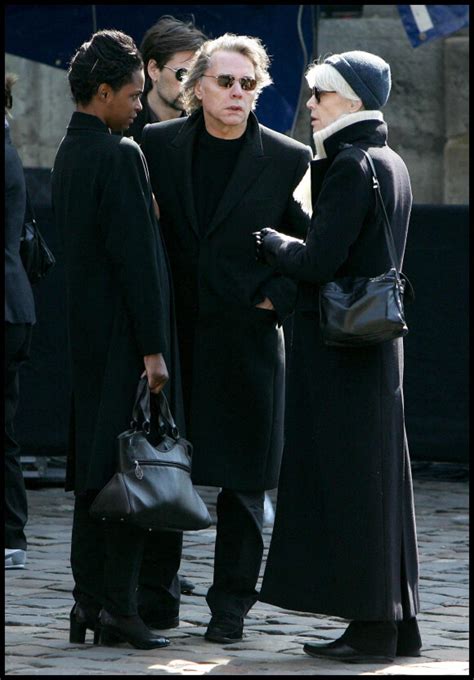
x: 317, y: 93
x: 226, y: 80
x: 179, y: 73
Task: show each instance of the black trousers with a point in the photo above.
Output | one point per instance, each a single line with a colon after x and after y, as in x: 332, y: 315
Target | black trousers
x: 111, y: 560
x: 17, y: 351
x: 238, y: 551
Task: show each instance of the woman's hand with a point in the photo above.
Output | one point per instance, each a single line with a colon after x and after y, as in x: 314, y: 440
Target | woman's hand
x: 267, y: 242
x: 266, y: 304
x: 156, y: 372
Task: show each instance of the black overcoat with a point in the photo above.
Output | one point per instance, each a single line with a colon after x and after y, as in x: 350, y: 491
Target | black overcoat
x: 119, y: 298
x: 344, y: 541
x: 19, y: 301
x: 232, y: 352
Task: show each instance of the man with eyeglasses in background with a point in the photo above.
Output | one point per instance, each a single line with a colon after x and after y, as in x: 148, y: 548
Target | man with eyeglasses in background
x: 218, y: 175
x: 167, y: 48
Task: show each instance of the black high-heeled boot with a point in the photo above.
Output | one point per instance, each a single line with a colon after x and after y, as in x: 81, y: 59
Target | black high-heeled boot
x: 131, y: 629
x: 82, y: 618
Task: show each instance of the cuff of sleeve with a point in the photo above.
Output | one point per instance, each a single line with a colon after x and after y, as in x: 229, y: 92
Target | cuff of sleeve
x: 282, y: 301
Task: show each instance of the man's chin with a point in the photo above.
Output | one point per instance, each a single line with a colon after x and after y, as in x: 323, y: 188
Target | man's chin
x: 177, y: 105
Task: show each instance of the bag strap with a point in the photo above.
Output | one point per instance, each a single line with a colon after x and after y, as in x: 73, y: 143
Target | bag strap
x: 387, y: 228
x: 410, y: 293
x: 392, y: 251
x: 29, y: 212
x: 165, y: 417
x: 142, y: 405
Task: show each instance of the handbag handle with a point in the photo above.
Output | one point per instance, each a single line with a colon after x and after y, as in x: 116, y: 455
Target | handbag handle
x: 142, y: 404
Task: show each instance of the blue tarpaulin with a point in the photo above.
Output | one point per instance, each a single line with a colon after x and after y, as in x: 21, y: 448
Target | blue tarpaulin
x: 426, y: 22
x: 50, y: 34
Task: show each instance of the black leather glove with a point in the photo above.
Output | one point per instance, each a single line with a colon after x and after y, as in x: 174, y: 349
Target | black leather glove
x: 268, y: 242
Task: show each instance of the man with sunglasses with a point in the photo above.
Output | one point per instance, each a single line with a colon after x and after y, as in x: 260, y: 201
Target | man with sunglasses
x: 218, y: 175
x: 167, y: 48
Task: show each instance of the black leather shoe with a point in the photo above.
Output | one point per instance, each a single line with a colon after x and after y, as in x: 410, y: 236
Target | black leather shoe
x: 340, y: 651
x: 408, y: 638
x: 81, y: 619
x: 186, y: 586
x: 407, y: 651
x: 158, y: 617
x: 158, y: 621
x: 131, y: 629
x: 224, y: 627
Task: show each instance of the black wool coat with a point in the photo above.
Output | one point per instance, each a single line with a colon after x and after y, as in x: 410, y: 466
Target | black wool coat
x: 119, y: 298
x: 344, y: 540
x: 19, y: 301
x: 232, y: 353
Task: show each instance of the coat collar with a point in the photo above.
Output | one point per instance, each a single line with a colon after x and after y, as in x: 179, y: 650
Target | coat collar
x: 250, y: 162
x: 364, y: 127
x: 86, y: 121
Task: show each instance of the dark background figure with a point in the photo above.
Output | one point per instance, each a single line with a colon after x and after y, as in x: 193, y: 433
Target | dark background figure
x: 344, y: 541
x: 19, y: 321
x: 218, y: 175
x: 120, y: 322
x: 167, y: 49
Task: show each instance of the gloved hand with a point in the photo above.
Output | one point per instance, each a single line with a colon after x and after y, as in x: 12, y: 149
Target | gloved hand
x: 267, y: 242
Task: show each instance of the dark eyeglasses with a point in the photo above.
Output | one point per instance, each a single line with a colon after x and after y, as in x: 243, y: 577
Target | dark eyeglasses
x: 317, y: 93
x: 179, y: 73
x: 226, y: 80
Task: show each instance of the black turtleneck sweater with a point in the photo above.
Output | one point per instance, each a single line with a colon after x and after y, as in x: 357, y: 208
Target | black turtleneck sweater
x: 214, y: 160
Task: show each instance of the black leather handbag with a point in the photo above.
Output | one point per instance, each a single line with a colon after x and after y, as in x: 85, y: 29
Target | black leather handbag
x: 152, y: 487
x: 358, y: 311
x: 36, y: 256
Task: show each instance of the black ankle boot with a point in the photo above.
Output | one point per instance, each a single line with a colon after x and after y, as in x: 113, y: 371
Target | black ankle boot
x: 82, y: 618
x: 409, y: 638
x: 131, y: 629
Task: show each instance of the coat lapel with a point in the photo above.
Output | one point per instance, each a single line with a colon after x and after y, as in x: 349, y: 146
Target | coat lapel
x: 250, y: 164
x: 183, y: 145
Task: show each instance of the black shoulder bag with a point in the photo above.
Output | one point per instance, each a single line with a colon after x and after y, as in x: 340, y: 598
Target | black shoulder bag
x: 36, y: 256
x: 358, y: 311
x: 152, y: 487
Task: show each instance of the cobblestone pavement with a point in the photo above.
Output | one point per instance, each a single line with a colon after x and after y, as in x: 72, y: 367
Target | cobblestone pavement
x: 38, y: 601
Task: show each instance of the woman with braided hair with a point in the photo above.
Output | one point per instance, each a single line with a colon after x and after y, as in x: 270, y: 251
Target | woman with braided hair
x: 120, y: 324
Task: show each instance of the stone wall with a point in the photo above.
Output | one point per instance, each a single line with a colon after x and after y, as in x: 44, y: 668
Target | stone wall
x: 42, y: 107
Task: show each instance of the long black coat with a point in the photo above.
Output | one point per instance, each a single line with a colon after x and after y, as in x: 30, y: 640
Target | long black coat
x: 118, y: 290
x: 232, y: 353
x: 19, y: 302
x: 344, y: 541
